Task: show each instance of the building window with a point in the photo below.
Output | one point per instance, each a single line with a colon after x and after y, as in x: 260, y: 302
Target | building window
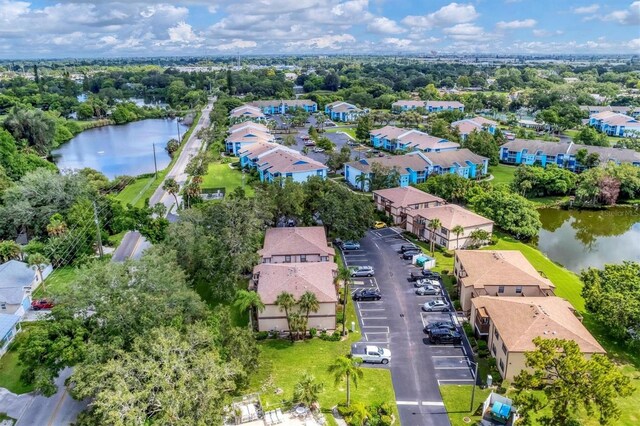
x: 303, y: 258
x: 493, y: 349
x: 504, y: 348
x: 287, y: 259
x: 3, y: 306
x: 496, y: 334
x: 502, y: 366
x: 501, y: 289
x: 324, y: 258
x: 519, y: 289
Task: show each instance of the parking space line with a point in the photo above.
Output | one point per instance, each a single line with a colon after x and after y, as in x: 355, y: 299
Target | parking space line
x: 406, y: 402
x: 451, y: 368
x: 447, y: 356
x: 372, y: 309
x: 374, y: 318
x: 433, y: 403
x: 455, y: 380
x: 377, y: 326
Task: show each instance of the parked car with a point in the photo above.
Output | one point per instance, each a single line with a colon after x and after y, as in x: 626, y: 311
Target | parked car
x: 436, y: 306
x: 350, y: 245
x: 430, y: 274
x: 36, y: 305
x: 291, y: 223
x: 366, y: 294
x: 407, y: 247
x: 444, y: 335
x: 427, y: 290
x: 362, y: 271
x: 379, y: 225
x: 449, y: 325
x: 318, y: 150
x: 369, y: 353
x: 426, y: 281
x: 309, y: 143
x: 407, y: 255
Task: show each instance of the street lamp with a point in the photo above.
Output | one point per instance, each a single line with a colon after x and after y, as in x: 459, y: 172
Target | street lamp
x: 475, y: 379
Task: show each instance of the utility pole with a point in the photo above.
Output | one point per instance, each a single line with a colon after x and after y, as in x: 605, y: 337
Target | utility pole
x: 95, y: 218
x: 473, y: 389
x: 178, y: 127
x: 155, y: 163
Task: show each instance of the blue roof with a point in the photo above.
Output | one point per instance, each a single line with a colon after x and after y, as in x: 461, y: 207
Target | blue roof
x: 7, y: 322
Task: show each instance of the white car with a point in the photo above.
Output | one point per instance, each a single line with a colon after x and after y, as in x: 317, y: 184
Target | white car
x: 316, y: 149
x: 436, y: 306
x: 426, y: 281
x: 362, y: 271
x: 427, y: 290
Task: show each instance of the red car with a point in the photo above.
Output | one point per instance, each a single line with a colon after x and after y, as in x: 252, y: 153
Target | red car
x: 36, y: 305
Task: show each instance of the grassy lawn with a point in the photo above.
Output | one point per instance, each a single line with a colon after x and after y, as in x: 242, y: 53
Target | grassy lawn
x: 10, y: 371
x: 573, y: 133
x: 57, y: 281
x: 502, y: 173
x: 457, y: 401
x: 221, y: 175
x: 139, y: 190
x: 348, y: 130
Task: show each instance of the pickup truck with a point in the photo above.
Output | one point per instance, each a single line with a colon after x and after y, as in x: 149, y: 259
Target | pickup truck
x: 369, y: 353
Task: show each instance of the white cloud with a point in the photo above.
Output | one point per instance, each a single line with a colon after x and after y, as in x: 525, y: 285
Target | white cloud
x: 634, y: 44
x: 546, y: 33
x: 397, y: 42
x: 237, y: 44
x: 517, y: 24
x: 384, y: 25
x: 584, y: 10
x: 464, y: 31
x: 331, y: 41
x: 183, y: 33
x: 453, y: 13
x: 630, y: 16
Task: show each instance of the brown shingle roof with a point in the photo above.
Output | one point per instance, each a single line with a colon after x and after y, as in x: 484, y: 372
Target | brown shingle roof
x: 399, y: 162
x: 249, y: 135
x: 246, y: 110
x: 499, y: 267
x: 340, y: 106
x: 407, y: 196
x: 295, y: 241
x: 258, y: 148
x: 451, y: 215
x: 285, y: 160
x: 410, y: 103
x: 423, y: 141
x: 521, y: 319
x: 446, y: 159
x: 296, y: 278
x: 453, y: 104
x: 248, y: 125
x: 389, y: 132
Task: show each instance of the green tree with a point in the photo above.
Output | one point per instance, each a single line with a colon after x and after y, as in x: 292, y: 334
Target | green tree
x: 359, y: 414
x: 285, y: 301
x: 337, y: 160
x: 249, y: 301
x: 570, y: 383
x: 33, y: 126
x: 363, y: 180
x: 172, y: 146
x: 345, y: 368
x: 308, y: 303
x: 433, y: 226
x: 172, y: 187
x: 382, y: 177
x: 38, y: 262
x: 458, y: 230
x: 590, y: 136
x: 511, y: 212
x: 479, y: 237
x: 483, y: 143
x: 307, y: 390
x: 452, y: 187
x: 344, y: 277
x: 9, y: 250
x: 363, y: 128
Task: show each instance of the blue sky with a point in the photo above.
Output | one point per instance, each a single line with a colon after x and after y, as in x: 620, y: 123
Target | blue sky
x: 43, y: 28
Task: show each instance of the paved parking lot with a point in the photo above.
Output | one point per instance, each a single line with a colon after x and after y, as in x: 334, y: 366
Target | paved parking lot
x: 397, y: 322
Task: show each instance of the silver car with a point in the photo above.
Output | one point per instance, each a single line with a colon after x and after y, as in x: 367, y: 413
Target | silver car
x: 436, y: 306
x: 362, y: 271
x: 426, y: 281
x: 427, y: 290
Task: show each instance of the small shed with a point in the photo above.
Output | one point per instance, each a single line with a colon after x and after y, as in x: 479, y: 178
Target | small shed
x: 424, y: 261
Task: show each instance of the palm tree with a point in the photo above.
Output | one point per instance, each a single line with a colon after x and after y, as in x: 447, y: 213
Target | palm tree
x: 320, y: 119
x: 346, y: 368
x: 308, y: 303
x: 298, y: 323
x: 38, y: 262
x: 172, y: 187
x: 9, y: 250
x: 285, y: 302
x: 458, y: 230
x: 362, y: 179
x: 479, y: 236
x: 249, y: 301
x: 57, y: 225
x: 434, y: 225
x: 307, y: 390
x: 344, y: 276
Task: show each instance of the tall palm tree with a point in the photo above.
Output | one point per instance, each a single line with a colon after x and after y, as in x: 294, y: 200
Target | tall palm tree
x: 362, y: 179
x: 38, y: 262
x: 285, y: 302
x: 348, y: 369
x: 298, y: 323
x: 56, y: 225
x: 344, y: 276
x: 308, y: 303
x: 434, y: 225
x: 249, y: 301
x: 307, y: 390
x: 458, y: 230
x: 9, y: 250
x: 172, y: 187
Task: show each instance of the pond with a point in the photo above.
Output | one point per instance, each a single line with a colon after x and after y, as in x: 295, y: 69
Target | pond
x: 578, y: 239
x: 125, y: 149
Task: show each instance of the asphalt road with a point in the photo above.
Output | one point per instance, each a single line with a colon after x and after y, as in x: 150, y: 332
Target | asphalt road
x: 133, y: 244
x: 397, y: 322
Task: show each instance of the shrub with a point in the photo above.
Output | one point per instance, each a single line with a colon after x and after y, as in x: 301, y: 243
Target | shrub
x: 456, y: 305
x: 468, y: 329
x: 473, y: 342
x: 313, y: 332
x: 261, y: 335
x: 333, y: 337
x: 482, y: 345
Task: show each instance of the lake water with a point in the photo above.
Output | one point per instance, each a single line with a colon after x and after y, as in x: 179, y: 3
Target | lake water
x: 126, y: 149
x: 579, y: 239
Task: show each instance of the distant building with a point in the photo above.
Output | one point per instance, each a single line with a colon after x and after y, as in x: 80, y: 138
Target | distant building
x: 343, y: 111
x: 274, y: 107
x: 468, y: 125
x: 615, y: 124
x: 246, y: 136
x: 246, y: 113
x: 396, y: 202
x: 299, y: 244
x: 8, y: 330
x: 17, y: 281
x: 429, y: 106
x: 595, y: 109
x: 394, y: 138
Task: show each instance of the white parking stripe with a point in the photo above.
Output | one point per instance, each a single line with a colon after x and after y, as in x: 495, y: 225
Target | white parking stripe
x: 433, y: 403
x: 447, y: 356
x: 451, y: 368
x: 374, y: 318
x: 455, y: 380
x: 406, y: 402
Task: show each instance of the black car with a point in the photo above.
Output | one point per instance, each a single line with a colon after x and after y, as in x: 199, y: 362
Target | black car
x: 430, y: 274
x: 408, y: 247
x: 444, y: 335
x: 409, y: 254
x: 448, y: 325
x: 366, y: 294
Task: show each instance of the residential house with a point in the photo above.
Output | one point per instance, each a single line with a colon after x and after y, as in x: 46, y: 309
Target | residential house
x: 246, y: 113
x: 468, y: 125
x: 429, y: 106
x: 396, y: 202
x: 408, y: 105
x: 274, y: 107
x: 615, y: 124
x: 394, y: 138
x: 502, y: 273
x: 17, y: 281
x: 248, y: 125
x: 450, y: 216
x: 243, y: 137
x: 512, y: 323
x: 595, y: 109
x: 562, y: 154
x: 416, y: 166
x: 343, y: 111
x: 8, y: 330
x: 296, y: 245
x: 271, y: 279
x: 531, y: 124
